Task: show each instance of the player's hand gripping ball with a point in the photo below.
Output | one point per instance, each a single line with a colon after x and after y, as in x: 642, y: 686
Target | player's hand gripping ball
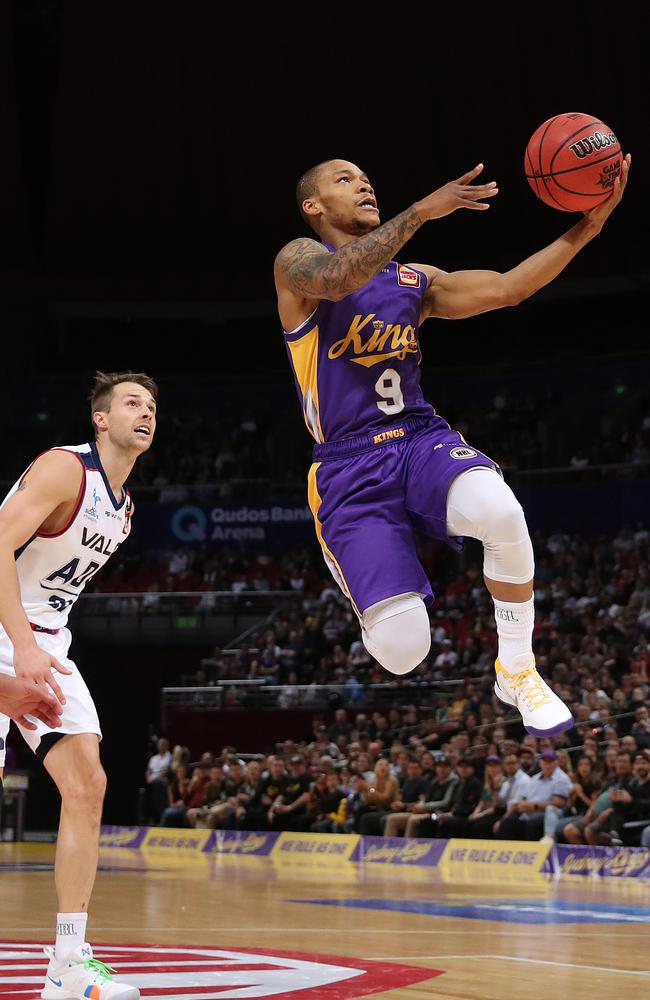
x: 572, y: 161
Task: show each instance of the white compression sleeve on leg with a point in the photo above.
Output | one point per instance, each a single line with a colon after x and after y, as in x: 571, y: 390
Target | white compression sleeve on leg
x: 480, y: 505
x: 397, y: 632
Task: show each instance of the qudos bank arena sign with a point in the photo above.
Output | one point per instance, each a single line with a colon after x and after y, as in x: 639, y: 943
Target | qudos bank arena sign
x: 240, y: 523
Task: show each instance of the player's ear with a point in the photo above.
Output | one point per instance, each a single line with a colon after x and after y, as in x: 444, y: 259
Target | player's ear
x: 100, y: 422
x: 311, y: 207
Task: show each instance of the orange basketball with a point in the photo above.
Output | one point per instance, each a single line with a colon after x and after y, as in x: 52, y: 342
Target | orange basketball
x: 571, y: 162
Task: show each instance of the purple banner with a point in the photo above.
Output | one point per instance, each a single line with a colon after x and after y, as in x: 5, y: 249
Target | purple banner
x: 599, y: 862
x: 130, y: 837
x: 398, y: 851
x: 252, y: 845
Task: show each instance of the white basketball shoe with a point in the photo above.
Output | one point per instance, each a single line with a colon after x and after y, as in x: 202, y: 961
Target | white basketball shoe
x: 82, y: 977
x: 543, y: 713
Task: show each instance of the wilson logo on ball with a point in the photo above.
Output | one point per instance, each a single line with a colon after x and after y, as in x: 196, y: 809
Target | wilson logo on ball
x: 591, y: 144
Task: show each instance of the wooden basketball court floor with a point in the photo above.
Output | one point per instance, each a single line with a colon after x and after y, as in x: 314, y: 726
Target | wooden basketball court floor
x: 585, y: 938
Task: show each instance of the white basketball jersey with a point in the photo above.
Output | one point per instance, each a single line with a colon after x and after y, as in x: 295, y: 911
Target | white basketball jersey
x: 53, y: 569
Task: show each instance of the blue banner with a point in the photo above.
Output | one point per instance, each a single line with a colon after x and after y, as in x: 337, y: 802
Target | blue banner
x: 172, y: 525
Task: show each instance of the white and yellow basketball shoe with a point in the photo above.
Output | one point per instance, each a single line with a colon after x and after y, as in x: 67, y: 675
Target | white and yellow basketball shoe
x: 82, y: 977
x: 543, y: 713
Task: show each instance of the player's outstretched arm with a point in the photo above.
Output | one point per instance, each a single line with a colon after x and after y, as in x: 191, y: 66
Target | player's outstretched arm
x: 304, y: 269
x: 52, y: 483
x: 459, y: 294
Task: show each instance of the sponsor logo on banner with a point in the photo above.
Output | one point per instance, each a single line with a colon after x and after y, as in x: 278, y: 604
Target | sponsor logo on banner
x: 176, y: 840
x: 187, y: 973
x: 489, y: 861
x: 322, y: 847
x: 608, y: 862
x: 122, y: 836
x: 238, y: 524
x: 239, y: 842
x: 397, y: 851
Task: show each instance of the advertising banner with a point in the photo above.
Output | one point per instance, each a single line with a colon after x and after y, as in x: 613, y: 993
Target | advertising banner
x: 599, y: 862
x: 398, y: 851
x: 241, y: 842
x: 176, y: 841
x: 173, y: 525
x: 321, y: 847
x: 493, y: 861
x: 122, y: 836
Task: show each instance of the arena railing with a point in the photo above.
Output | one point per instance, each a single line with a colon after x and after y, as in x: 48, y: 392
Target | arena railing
x: 263, y: 488
x: 255, y: 693
x: 187, y: 615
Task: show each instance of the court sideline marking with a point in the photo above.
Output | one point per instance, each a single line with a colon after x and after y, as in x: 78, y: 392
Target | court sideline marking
x: 566, y: 929
x: 513, y: 958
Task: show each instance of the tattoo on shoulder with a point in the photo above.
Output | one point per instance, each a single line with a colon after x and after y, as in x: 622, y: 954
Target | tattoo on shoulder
x: 312, y: 272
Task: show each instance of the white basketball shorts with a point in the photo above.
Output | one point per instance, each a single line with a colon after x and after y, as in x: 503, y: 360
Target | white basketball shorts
x: 79, y: 712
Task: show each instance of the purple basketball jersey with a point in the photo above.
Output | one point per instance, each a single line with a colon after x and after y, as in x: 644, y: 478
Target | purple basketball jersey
x: 356, y: 362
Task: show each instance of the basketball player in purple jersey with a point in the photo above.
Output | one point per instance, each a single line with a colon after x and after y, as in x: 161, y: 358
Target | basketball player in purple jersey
x: 59, y: 524
x: 385, y: 464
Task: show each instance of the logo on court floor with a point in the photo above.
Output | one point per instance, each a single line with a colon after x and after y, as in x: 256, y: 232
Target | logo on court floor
x: 191, y: 973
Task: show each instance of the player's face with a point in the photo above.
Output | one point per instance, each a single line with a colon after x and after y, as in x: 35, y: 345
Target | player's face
x: 132, y: 416
x: 346, y: 198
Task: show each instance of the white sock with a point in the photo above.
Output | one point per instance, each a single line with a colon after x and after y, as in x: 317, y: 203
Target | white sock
x: 70, y: 933
x: 515, y: 622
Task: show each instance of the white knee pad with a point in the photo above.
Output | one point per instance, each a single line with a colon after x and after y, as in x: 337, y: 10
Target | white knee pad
x: 480, y: 505
x: 397, y: 632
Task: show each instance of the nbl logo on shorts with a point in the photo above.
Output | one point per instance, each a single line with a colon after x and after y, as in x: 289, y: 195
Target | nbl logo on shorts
x: 460, y: 453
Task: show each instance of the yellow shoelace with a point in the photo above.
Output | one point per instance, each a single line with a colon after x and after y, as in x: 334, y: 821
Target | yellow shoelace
x: 532, y: 687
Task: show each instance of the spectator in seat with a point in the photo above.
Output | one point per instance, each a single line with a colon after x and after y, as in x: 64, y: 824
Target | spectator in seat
x: 575, y: 832
x: 438, y: 798
x: 329, y: 815
x: 584, y: 791
x: 378, y: 793
x: 630, y: 803
x: 515, y: 788
x: 465, y: 798
x: 221, y: 814
x: 525, y: 819
x: 413, y: 790
x: 178, y: 784
x: 290, y: 809
x: 156, y: 796
x: 207, y: 798
x: 197, y: 788
x: 641, y: 728
x: 250, y: 795
x: 486, y: 812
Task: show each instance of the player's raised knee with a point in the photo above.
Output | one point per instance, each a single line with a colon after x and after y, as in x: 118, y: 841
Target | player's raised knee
x: 397, y: 633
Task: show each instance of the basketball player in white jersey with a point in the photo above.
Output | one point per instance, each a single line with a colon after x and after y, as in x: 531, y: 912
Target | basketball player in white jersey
x: 59, y: 524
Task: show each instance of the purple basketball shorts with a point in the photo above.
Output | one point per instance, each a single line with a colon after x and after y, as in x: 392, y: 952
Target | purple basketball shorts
x: 371, y: 494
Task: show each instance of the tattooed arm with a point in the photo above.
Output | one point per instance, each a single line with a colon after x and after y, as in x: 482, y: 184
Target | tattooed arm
x: 305, y: 272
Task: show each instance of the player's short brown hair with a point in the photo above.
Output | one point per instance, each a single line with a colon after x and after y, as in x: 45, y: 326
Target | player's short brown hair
x: 104, y: 384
